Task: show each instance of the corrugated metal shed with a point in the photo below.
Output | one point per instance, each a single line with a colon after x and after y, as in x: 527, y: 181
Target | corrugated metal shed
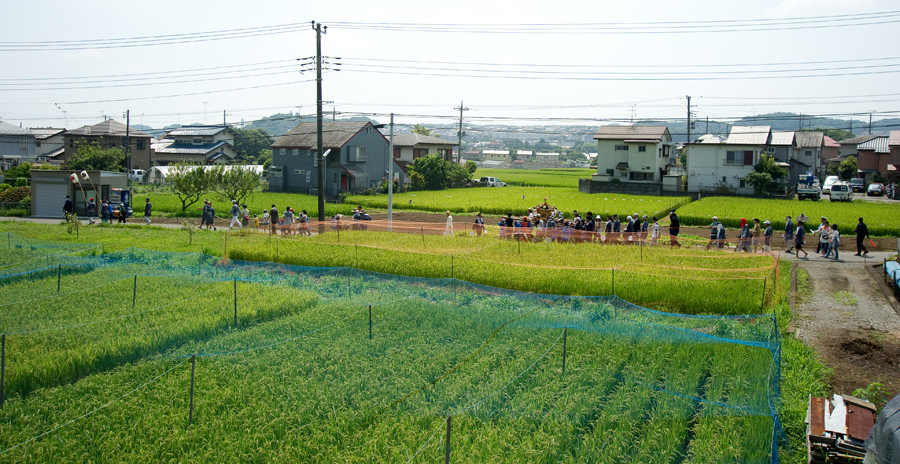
x: 643, y: 133
x: 749, y: 135
x: 880, y: 144
x: 335, y: 134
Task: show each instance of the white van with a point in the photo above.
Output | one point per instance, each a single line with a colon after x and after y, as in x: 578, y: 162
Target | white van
x: 493, y: 182
x: 829, y: 181
x: 841, y: 191
x: 136, y: 175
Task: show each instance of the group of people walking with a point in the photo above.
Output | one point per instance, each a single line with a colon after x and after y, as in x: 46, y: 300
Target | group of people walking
x: 829, y: 237
x: 630, y: 229
x: 107, y: 211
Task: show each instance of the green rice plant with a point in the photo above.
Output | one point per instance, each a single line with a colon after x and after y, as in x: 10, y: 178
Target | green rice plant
x: 542, y: 177
x: 880, y: 217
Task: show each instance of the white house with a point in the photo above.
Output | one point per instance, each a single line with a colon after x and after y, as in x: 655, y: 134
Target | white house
x: 550, y: 160
x: 632, y: 153
x: 714, y: 162
x: 496, y: 155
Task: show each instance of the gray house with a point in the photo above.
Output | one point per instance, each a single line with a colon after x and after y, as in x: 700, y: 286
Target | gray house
x: 16, y: 145
x: 358, y: 158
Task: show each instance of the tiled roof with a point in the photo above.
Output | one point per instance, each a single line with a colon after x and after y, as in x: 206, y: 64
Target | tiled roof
x: 880, y: 144
x: 412, y: 139
x: 649, y: 133
x: 782, y: 138
x: 749, y: 135
x: 46, y: 132
x: 857, y: 140
x: 196, y: 130
x: 335, y: 134
x: 189, y: 148
x: 830, y: 142
x: 810, y: 139
x: 12, y: 129
x: 110, y: 127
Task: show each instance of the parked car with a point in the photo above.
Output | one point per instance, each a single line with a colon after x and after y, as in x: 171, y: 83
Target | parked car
x: 829, y: 181
x: 858, y: 185
x: 875, y: 189
x: 493, y: 182
x: 136, y: 175
x: 840, y: 191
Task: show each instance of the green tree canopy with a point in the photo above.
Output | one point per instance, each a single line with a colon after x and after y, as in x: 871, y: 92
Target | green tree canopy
x: 234, y: 182
x: 252, y: 143
x: 422, y: 130
x: 768, y: 165
x: 190, y: 182
x: 433, y: 170
x: 92, y: 157
x: 836, y: 134
x: 847, y: 168
x: 759, y: 180
x: 471, y: 167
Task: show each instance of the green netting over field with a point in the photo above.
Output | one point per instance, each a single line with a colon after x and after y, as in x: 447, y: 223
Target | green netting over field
x: 308, y: 364
x: 22, y: 254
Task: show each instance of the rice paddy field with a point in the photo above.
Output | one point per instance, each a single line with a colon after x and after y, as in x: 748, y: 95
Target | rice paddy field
x: 344, y: 365
x: 500, y: 200
x: 881, y: 218
x: 538, y: 178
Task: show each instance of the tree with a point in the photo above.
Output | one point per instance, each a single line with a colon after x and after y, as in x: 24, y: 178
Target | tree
x: 759, y: 180
x: 234, y: 182
x: 92, y: 157
x: 847, y: 168
x: 836, y: 134
x: 433, y: 172
x: 251, y: 143
x: 422, y: 130
x: 457, y: 176
x: 768, y: 166
x: 471, y: 167
x: 189, y: 182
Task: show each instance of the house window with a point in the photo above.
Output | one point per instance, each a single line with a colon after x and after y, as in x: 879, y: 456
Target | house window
x: 808, y: 153
x: 141, y: 145
x: 770, y: 149
x: 356, y: 155
x: 308, y: 173
x: 280, y: 151
x: 419, y: 152
x: 642, y: 149
x: 396, y: 153
x: 316, y: 160
x: 198, y: 141
x: 23, y: 144
x: 742, y: 183
x: 731, y: 157
x: 635, y: 175
x: 621, y: 147
x: 274, y: 171
x: 335, y: 178
x: 71, y: 143
x: 748, y: 158
x: 609, y: 172
x: 301, y: 171
x: 37, y: 143
x: 724, y: 180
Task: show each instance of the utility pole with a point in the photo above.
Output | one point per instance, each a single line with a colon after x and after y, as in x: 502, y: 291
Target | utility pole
x: 707, y: 124
x: 319, y: 142
x: 688, y: 118
x: 460, y: 133
x: 800, y: 122
x: 870, y: 123
x: 391, y: 177
x: 333, y: 114
x: 128, y: 146
x: 224, y: 124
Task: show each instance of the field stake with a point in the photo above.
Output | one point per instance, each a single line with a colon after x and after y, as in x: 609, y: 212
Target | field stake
x: 642, y: 249
x: 763, y: 304
x: 339, y: 231
x: 447, y: 447
x: 235, y: 302
x: 191, y: 407
x: 519, y: 242
x: 565, y: 337
x: 422, y: 229
x: 613, y: 281
x: 8, y: 240
x: 452, y: 274
x: 58, y: 276
x: 2, y: 370
x: 226, y: 246
x: 370, y: 322
x: 134, y: 293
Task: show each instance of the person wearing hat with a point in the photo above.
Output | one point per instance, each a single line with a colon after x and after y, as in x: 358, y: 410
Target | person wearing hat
x: 91, y: 210
x: 862, y: 233
x: 123, y: 213
x: 788, y: 234
x: 767, y: 236
x: 713, y: 232
x: 478, y: 226
x: 755, y: 235
x: 449, y: 229
x: 674, y: 227
x: 824, y: 236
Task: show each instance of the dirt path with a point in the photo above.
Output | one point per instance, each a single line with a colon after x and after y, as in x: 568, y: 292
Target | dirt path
x: 850, y: 323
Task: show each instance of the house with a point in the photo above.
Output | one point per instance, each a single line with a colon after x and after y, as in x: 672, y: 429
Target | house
x: 196, y: 144
x: 409, y: 146
x: 547, y: 160
x: 893, y: 169
x: 496, y: 155
x: 831, y: 150
x: 49, y: 190
x: 109, y: 134
x: 714, y: 162
x: 49, y: 143
x: 16, y: 145
x: 849, y: 146
x: 782, y: 146
x: 632, y: 153
x: 357, y: 159
x: 809, y: 149
x: 874, y: 157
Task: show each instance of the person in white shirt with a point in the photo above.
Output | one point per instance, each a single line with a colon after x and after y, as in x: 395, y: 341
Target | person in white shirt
x: 654, y: 231
x: 449, y: 229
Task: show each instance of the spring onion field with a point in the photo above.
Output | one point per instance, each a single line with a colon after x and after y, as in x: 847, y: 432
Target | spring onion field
x: 541, y: 178
x: 500, y: 200
x: 881, y: 218
x: 300, y: 379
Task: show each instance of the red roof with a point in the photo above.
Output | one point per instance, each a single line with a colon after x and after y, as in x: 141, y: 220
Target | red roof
x: 829, y: 142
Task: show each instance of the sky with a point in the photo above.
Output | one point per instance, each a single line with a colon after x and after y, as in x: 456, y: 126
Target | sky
x: 525, y: 62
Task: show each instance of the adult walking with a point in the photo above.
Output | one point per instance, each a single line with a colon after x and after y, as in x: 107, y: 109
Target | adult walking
x: 449, y: 229
x: 68, y: 207
x: 235, y: 215
x: 91, y: 211
x: 123, y: 213
x: 674, y: 227
x: 273, y: 219
x: 835, y: 242
x: 104, y: 212
x: 800, y: 235
x: 862, y: 233
x: 788, y: 234
x: 713, y: 232
x: 478, y: 227
x: 148, y: 211
x: 767, y: 241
